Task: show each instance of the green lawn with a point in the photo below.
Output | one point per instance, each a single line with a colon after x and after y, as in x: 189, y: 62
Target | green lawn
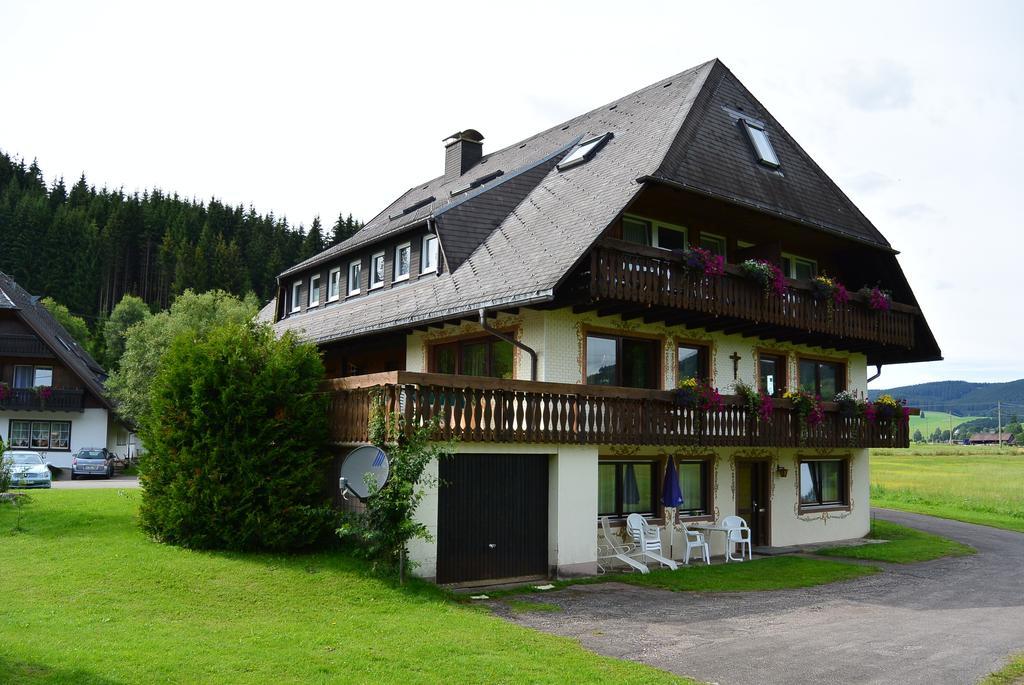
x: 89, y: 599
x: 1011, y: 674
x: 904, y: 546
x: 976, y: 485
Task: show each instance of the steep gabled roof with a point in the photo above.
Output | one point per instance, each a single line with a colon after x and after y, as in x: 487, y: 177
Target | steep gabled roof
x: 515, y: 238
x: 55, y: 336
x: 710, y: 156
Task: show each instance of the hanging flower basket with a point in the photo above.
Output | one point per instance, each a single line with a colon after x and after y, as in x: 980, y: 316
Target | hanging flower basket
x: 809, y: 410
x: 701, y: 261
x: 767, y: 274
x: 850, y: 404
x: 5, y: 392
x: 878, y: 299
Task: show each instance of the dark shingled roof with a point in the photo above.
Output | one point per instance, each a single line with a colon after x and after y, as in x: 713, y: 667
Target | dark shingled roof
x: 42, y: 323
x: 512, y: 240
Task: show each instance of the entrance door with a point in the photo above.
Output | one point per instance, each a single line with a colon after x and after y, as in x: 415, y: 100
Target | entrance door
x: 492, y: 520
x: 753, y: 495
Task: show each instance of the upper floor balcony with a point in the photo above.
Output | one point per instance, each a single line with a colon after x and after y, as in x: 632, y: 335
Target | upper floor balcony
x: 51, y: 399
x: 634, y: 280
x: 20, y: 345
x: 476, y: 409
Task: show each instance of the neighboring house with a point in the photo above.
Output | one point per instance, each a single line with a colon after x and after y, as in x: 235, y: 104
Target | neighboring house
x: 51, y: 391
x: 991, y: 439
x: 536, y: 299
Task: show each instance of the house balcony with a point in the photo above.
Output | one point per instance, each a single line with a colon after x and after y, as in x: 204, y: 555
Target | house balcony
x: 27, y: 399
x: 23, y: 346
x: 474, y: 409
x: 633, y: 280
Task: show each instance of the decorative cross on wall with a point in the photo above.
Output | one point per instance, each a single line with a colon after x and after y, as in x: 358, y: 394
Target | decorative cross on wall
x: 735, y: 357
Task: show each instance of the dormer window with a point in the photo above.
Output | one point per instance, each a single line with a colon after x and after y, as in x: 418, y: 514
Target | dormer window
x: 314, y: 290
x: 584, y: 151
x: 762, y: 146
x: 429, y: 254
x: 355, y: 271
x: 334, y: 284
x: 296, y: 294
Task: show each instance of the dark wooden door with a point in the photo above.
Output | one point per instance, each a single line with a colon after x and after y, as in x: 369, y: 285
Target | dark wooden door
x: 753, y: 495
x: 492, y: 520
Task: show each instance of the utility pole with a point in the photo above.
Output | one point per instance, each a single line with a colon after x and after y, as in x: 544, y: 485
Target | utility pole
x: 999, y: 430
x: 950, y: 415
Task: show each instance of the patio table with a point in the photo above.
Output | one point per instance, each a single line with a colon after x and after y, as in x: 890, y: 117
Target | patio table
x: 715, y: 528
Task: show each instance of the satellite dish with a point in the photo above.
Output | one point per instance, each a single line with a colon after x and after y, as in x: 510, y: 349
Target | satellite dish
x: 363, y: 460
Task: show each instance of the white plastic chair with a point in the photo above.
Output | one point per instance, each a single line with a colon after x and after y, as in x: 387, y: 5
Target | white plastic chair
x: 736, y: 533
x: 695, y: 540
x: 648, y: 540
x: 613, y: 549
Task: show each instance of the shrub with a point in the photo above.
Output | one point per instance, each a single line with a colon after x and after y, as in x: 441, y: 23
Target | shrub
x: 236, y: 443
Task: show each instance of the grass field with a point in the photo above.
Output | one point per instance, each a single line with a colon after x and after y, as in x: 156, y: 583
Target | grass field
x: 903, y: 546
x: 87, y: 599
x: 936, y: 419
x: 1011, y: 674
x: 972, y: 484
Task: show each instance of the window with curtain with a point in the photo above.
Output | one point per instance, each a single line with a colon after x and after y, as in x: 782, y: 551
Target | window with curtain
x: 694, y: 484
x: 626, y: 487
x: 625, y: 362
x: 23, y: 376
x: 822, y: 378
x: 823, y: 483
x: 771, y: 374
x: 474, y: 357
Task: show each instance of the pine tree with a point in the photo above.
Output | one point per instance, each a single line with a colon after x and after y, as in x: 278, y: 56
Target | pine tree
x: 314, y: 242
x: 345, y: 228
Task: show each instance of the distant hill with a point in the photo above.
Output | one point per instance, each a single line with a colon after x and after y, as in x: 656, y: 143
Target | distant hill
x: 962, y: 398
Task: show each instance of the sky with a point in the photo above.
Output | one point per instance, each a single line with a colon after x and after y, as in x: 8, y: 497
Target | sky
x: 307, y: 109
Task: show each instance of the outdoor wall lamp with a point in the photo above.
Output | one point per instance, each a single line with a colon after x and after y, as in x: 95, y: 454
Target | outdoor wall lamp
x: 781, y: 470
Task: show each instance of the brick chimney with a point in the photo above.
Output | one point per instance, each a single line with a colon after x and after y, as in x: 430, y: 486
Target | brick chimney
x: 462, y: 150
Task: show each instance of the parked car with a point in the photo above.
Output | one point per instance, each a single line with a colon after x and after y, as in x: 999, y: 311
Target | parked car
x: 92, y: 461
x: 28, y: 469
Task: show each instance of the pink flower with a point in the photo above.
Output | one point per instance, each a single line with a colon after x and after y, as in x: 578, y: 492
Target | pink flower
x: 767, y: 408
x: 879, y: 300
x: 841, y: 294
x: 778, y: 281
x: 817, y: 414
x: 869, y: 412
x: 715, y: 266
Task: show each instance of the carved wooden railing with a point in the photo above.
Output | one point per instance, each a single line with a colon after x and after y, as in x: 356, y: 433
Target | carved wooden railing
x: 28, y: 399
x: 633, y: 273
x: 476, y: 409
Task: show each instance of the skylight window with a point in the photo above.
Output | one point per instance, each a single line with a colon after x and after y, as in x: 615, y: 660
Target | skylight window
x: 762, y: 146
x: 584, y: 151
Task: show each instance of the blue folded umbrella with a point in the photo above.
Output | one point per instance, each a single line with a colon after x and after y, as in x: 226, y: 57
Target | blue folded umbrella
x: 671, y: 495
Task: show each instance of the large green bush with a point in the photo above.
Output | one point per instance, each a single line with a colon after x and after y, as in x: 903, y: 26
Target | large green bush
x: 235, y: 443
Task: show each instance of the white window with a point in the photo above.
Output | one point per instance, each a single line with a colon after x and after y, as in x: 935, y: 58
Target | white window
x: 799, y: 267
x: 314, y: 290
x: 715, y: 244
x: 377, y: 271
x: 653, y: 234
x: 296, y: 294
x: 428, y: 259
x: 43, y: 376
x: 403, y: 260
x: 334, y: 284
x: 355, y: 271
x: 762, y: 146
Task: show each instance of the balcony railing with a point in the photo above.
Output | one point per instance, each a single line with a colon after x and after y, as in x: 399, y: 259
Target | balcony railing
x: 23, y: 346
x: 632, y: 273
x: 27, y: 399
x: 477, y: 409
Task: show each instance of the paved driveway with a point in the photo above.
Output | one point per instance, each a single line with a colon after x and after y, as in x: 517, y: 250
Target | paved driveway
x: 91, y: 483
x: 944, y: 621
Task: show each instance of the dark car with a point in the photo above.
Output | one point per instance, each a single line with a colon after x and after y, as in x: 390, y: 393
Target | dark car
x: 92, y: 461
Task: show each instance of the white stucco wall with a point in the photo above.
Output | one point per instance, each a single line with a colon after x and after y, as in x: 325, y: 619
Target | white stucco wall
x: 558, y: 337
x: 89, y: 428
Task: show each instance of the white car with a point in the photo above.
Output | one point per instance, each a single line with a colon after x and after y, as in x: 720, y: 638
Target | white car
x: 28, y: 469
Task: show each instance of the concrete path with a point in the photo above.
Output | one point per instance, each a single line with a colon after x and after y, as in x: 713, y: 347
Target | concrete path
x: 943, y: 621
x: 92, y: 483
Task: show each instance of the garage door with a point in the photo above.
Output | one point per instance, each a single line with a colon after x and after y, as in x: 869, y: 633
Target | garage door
x: 493, y: 517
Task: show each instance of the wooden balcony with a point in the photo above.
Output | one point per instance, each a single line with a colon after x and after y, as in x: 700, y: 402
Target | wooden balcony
x: 651, y: 278
x: 23, y: 346
x: 27, y: 399
x: 476, y: 409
